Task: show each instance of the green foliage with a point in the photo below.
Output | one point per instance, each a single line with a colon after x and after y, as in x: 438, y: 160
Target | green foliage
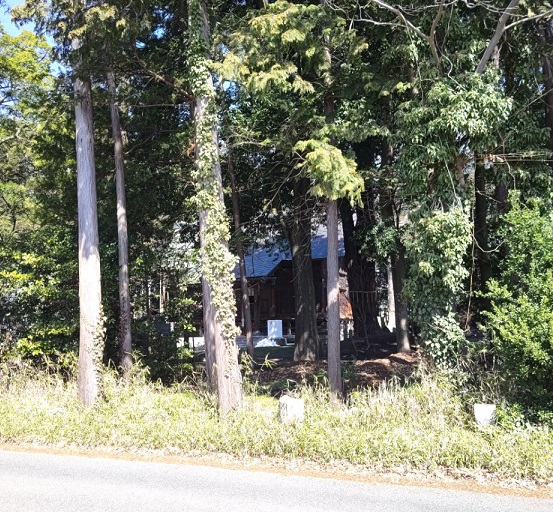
x: 24, y: 66
x: 37, y: 296
x: 163, y: 357
x: 333, y: 175
x: 38, y: 274
x: 217, y: 262
x: 280, y: 49
x: 439, y: 126
x: 286, y: 56
x: 437, y: 244
x: 378, y: 242
x: 521, y: 319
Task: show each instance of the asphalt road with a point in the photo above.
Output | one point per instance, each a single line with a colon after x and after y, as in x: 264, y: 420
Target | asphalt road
x: 41, y: 482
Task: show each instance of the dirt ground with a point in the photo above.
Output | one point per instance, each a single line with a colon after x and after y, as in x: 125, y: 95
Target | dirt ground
x: 366, y: 365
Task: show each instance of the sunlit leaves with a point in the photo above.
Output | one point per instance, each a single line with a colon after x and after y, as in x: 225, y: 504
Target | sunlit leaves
x: 332, y: 174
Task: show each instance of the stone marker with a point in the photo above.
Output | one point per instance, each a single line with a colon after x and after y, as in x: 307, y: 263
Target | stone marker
x: 290, y: 409
x: 484, y: 414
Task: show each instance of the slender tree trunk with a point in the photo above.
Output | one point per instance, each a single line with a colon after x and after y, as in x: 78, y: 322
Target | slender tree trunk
x: 240, y: 250
x: 333, y: 306
x: 216, y: 261
x: 361, y: 274
x: 402, y: 308
x: 299, y: 237
x: 125, y: 343
x: 481, y: 223
x: 332, y: 263
x: 391, y: 296
x: 499, y: 29
x: 162, y: 293
x: 91, y: 341
x: 547, y: 39
x: 397, y: 263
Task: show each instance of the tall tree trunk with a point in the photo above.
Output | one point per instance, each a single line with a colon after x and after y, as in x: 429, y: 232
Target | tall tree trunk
x: 240, y: 251
x: 391, y: 296
x: 402, y: 307
x: 332, y: 264
x: 125, y: 343
x: 547, y: 39
x: 499, y: 30
x: 481, y: 222
x: 299, y: 237
x: 361, y: 274
x: 91, y: 340
x: 397, y: 261
x: 333, y: 306
x: 216, y: 261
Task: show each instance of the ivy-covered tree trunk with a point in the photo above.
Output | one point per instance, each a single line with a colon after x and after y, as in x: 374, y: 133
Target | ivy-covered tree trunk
x: 217, y: 262
x: 299, y: 237
x: 91, y: 340
x: 125, y: 343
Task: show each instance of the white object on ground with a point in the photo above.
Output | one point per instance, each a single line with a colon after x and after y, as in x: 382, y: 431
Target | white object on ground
x: 290, y: 409
x: 266, y: 342
x: 484, y: 414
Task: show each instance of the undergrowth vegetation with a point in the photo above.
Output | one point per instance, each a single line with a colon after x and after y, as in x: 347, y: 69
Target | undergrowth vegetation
x: 423, y: 424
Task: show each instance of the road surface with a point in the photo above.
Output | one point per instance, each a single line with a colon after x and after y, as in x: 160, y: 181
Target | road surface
x: 39, y: 482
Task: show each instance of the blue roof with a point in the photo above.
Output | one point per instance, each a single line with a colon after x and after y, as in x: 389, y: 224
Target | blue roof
x: 262, y: 261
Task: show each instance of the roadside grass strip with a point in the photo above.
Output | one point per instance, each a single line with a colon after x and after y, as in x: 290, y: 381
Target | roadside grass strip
x: 419, y: 425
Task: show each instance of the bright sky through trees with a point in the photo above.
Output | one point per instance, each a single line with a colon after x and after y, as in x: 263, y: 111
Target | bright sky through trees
x: 6, y: 21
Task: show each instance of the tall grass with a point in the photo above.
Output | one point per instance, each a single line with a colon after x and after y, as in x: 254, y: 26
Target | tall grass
x: 420, y: 425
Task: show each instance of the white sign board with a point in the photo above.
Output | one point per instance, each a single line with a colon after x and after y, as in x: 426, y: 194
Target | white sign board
x: 274, y: 328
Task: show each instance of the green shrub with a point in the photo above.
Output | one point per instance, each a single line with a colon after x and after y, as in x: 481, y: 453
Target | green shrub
x: 521, y: 319
x: 436, y: 244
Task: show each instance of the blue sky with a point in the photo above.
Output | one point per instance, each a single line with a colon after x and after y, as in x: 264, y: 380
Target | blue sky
x: 5, y: 18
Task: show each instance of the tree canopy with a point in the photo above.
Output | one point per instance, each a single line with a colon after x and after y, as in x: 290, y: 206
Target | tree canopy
x: 430, y: 124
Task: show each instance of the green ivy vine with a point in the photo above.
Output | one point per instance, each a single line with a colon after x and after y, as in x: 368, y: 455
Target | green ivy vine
x: 437, y: 243
x: 217, y: 262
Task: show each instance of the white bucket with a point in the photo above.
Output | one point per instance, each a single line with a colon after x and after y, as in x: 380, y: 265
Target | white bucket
x: 484, y: 414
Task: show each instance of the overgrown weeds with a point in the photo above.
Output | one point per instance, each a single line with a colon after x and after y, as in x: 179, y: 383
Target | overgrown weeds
x: 422, y: 424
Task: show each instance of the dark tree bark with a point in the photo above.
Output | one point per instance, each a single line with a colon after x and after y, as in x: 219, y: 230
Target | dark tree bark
x: 240, y: 252
x: 547, y: 39
x: 391, y: 296
x: 398, y: 268
x: 481, y: 223
x: 397, y: 263
x: 125, y: 343
x: 298, y: 232
x: 402, y: 307
x: 361, y: 274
